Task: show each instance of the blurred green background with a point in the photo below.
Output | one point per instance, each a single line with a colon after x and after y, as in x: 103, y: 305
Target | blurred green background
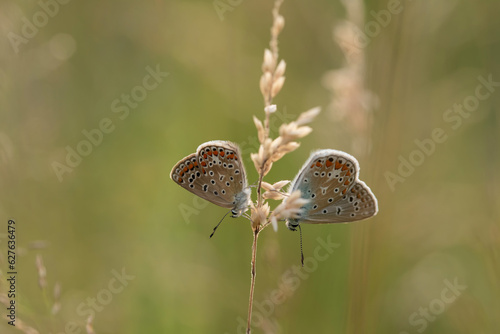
x: 119, y: 209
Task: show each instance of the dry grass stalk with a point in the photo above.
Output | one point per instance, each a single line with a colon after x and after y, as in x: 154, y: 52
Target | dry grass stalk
x: 271, y: 150
x: 352, y: 103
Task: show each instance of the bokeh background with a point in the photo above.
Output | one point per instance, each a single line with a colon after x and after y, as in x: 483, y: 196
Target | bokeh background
x: 119, y: 209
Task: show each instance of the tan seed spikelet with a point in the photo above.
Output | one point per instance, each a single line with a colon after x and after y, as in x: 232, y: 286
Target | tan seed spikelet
x: 280, y: 70
x: 290, y: 207
x: 273, y: 191
x: 269, y: 63
x: 280, y: 184
x: 274, y: 195
x: 308, y: 116
x: 277, y: 85
x: 42, y: 272
x: 260, y: 129
x: 259, y: 215
x: 266, y: 84
x: 266, y: 186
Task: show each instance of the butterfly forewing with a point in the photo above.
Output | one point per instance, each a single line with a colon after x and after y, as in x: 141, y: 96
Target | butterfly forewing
x: 223, y: 171
x: 329, y: 179
x: 215, y: 173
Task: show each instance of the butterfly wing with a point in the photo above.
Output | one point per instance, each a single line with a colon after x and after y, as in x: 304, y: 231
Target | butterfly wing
x: 215, y: 173
x: 329, y: 179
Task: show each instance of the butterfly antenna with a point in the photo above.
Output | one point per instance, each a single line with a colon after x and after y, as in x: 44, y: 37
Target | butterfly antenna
x: 219, y: 223
x: 301, y: 252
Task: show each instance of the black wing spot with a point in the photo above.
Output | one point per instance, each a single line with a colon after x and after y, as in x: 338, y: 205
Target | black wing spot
x: 323, y: 174
x: 227, y: 184
x: 211, y: 173
x: 223, y: 192
x: 237, y: 171
x: 216, y: 193
x: 339, y: 210
x: 330, y: 200
x: 191, y: 186
x: 212, y: 181
x: 351, y: 199
x: 315, y: 206
x: 336, y: 190
x: 313, y: 195
x: 341, y: 179
x: 325, y: 211
x: 205, y: 187
x: 353, y: 214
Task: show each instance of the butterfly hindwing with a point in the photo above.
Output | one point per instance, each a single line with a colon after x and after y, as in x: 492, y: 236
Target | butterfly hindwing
x: 329, y: 179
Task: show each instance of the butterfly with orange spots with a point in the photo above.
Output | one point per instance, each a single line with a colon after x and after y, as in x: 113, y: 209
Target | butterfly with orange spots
x: 215, y: 173
x: 329, y: 179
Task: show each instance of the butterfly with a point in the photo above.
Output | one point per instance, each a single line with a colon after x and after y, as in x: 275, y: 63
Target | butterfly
x: 329, y: 179
x: 215, y: 173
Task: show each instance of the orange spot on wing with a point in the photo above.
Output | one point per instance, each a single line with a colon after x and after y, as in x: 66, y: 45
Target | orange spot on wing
x: 216, y: 153
x: 203, y: 170
x: 348, y: 173
x: 203, y: 163
x: 180, y: 180
x: 337, y: 165
x: 344, y: 191
x: 328, y: 163
x: 181, y: 173
x: 221, y: 153
x: 345, y: 167
x: 230, y: 156
x: 196, y: 163
x: 235, y: 157
x: 190, y: 166
x: 346, y: 183
x: 204, y: 156
x: 312, y: 165
x: 185, y: 169
x: 209, y: 153
x: 318, y: 164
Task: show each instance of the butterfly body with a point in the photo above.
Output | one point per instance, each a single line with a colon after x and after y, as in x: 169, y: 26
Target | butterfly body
x: 329, y: 179
x: 215, y: 173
